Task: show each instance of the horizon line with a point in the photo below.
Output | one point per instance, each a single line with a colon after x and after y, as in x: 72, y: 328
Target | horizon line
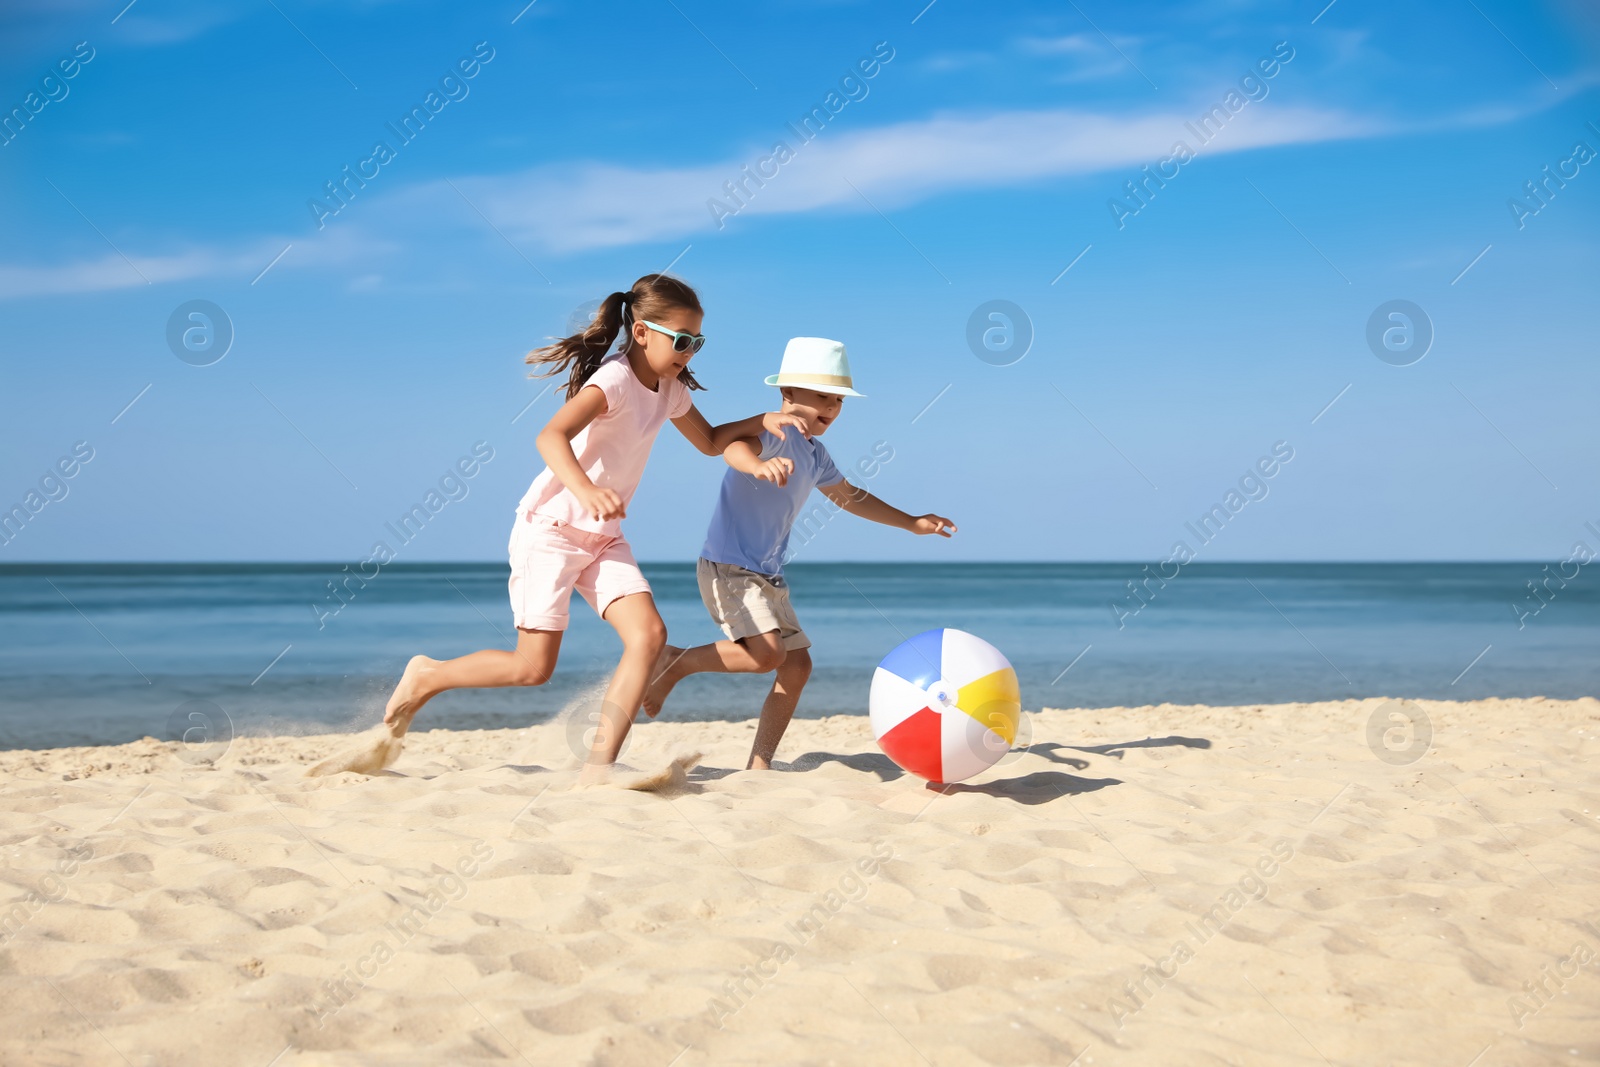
x: 795, y: 563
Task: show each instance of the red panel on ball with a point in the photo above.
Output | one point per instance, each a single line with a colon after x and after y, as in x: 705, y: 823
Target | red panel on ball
x: 915, y: 745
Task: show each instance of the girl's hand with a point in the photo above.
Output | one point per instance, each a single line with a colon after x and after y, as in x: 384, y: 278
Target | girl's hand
x: 775, y: 470
x: 774, y: 421
x: 603, y: 504
x: 933, y: 524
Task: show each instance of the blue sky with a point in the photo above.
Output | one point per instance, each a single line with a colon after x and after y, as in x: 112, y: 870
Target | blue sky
x: 976, y: 164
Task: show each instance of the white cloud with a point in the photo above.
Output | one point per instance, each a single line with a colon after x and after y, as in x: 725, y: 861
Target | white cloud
x: 241, y: 262
x: 139, y: 24
x: 109, y: 271
x: 1081, y: 57
x: 143, y: 28
x: 950, y: 62
x: 569, y: 208
x: 1084, y: 57
x: 1071, y: 44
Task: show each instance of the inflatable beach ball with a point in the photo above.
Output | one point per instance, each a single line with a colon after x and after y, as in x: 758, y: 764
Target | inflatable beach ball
x: 945, y: 705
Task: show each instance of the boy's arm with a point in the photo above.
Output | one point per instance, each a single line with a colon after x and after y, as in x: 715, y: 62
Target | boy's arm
x: 858, y: 501
x: 714, y: 440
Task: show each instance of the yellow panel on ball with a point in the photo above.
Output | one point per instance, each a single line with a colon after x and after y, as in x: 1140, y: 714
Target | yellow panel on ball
x: 995, y: 700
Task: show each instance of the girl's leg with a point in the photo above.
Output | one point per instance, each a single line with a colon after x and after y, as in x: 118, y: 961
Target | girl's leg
x: 748, y: 655
x: 779, y: 708
x: 530, y: 663
x: 643, y: 635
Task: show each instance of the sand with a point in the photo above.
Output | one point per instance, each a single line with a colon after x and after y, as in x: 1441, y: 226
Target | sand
x: 1167, y: 885
x: 369, y: 752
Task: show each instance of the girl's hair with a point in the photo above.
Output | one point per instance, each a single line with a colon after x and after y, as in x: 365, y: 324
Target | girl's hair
x: 581, y: 354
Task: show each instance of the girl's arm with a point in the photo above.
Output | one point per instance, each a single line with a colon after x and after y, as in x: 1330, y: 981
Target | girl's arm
x: 858, y: 501
x: 555, y: 445
x: 713, y: 440
x: 745, y: 455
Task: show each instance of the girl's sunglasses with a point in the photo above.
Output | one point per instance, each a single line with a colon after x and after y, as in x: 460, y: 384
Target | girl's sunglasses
x: 681, y: 342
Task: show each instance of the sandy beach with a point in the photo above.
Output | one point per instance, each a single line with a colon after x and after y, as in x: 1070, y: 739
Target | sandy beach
x: 1173, y: 885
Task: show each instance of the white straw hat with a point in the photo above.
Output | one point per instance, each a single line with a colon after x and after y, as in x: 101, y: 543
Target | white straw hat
x: 815, y: 363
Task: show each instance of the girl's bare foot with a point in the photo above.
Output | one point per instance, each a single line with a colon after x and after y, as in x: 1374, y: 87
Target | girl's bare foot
x: 406, y: 700
x: 595, y: 774
x: 662, y: 679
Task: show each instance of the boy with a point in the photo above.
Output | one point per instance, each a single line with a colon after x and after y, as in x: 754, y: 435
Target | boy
x: 741, y: 565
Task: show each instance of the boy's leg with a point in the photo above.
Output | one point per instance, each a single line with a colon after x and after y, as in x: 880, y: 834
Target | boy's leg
x: 530, y: 663
x: 779, y: 708
x: 643, y: 635
x: 748, y: 655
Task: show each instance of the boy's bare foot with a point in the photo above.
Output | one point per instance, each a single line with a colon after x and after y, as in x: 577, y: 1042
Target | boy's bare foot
x: 662, y: 679
x: 758, y: 763
x: 403, y: 702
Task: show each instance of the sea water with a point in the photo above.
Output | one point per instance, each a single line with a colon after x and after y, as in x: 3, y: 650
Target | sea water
x: 103, y: 654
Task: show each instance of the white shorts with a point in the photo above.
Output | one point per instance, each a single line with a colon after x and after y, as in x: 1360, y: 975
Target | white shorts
x: 549, y: 559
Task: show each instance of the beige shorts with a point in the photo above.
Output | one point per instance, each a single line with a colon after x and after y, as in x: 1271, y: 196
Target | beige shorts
x: 549, y: 559
x: 747, y: 604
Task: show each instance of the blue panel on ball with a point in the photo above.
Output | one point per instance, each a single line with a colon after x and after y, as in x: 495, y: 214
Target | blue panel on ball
x: 917, y: 660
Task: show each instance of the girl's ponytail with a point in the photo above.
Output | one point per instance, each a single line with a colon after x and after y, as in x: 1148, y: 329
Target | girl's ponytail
x: 581, y: 354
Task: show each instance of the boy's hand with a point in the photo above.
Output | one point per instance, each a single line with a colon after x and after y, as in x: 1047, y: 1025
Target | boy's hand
x: 933, y: 524
x: 774, y: 421
x: 775, y: 470
x: 603, y: 504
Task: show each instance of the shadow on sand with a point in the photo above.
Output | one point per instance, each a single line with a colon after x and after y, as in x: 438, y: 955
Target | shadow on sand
x: 1040, y: 787
x: 870, y: 762
x: 1037, y: 787
x: 1116, y: 750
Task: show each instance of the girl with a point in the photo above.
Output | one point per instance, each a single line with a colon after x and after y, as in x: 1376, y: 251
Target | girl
x: 568, y: 533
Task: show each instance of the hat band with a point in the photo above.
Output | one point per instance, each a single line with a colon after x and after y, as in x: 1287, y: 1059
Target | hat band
x: 815, y: 379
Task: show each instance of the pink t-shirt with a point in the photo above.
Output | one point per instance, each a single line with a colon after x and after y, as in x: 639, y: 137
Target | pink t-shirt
x: 613, y: 449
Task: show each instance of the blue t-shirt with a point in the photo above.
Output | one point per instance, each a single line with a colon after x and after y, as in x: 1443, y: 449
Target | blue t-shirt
x: 751, y: 525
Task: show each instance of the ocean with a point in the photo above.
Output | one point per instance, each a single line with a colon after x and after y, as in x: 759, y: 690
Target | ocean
x: 109, y: 653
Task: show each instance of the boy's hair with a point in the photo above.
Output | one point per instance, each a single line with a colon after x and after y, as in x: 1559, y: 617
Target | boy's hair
x: 581, y: 354
x: 787, y: 391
